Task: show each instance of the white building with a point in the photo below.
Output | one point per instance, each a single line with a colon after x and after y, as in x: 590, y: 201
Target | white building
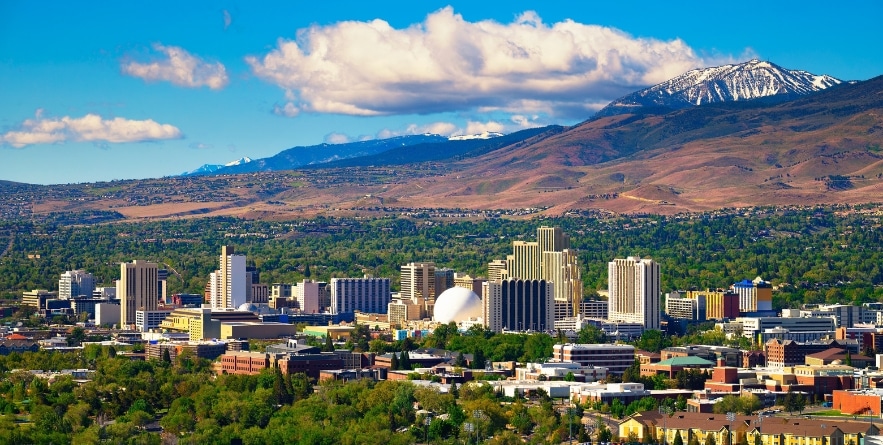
x: 229, y: 286
x: 633, y: 289
x: 147, y: 320
x: 75, y: 283
x: 751, y: 326
x: 559, y: 371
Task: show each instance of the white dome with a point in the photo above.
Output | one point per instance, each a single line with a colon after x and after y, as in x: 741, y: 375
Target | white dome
x: 247, y: 307
x: 457, y: 304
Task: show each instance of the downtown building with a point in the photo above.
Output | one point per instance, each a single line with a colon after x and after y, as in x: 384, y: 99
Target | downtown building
x: 550, y: 259
x: 228, y: 286
x: 75, y: 283
x: 137, y: 289
x: 633, y: 291
x: 519, y: 305
x: 366, y: 294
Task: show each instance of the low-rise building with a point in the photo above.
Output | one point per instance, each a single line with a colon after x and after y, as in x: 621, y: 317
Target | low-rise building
x: 560, y: 371
x: 615, y: 358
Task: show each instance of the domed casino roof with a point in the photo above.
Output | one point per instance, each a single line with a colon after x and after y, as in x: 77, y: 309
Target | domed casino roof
x: 457, y: 304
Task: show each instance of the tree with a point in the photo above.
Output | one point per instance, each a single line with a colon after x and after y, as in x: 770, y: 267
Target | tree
x: 394, y: 362
x: 710, y: 440
x: 405, y: 362
x: 478, y: 360
x: 848, y: 360
x: 590, y: 334
x: 166, y: 356
x: 678, y: 439
x: 460, y: 360
x: 329, y: 344
x: 694, y: 440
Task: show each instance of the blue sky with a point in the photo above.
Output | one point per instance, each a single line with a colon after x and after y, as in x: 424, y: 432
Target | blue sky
x: 97, y: 91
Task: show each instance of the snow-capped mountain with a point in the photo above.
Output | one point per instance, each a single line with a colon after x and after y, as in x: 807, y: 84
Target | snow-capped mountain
x: 750, y: 80
x: 484, y: 135
x: 211, y: 168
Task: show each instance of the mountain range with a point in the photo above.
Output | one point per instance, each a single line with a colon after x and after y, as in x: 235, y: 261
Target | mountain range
x: 728, y: 83
x: 806, y: 147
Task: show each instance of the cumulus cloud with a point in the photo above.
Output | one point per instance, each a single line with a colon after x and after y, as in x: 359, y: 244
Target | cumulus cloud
x: 180, y: 68
x: 89, y: 128
x: 336, y: 138
x: 447, y: 63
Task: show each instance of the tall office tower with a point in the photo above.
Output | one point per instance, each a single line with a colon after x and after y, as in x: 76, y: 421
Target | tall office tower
x: 496, y: 270
x: 74, y: 283
x: 136, y: 289
x: 418, y: 285
x: 524, y: 262
x: 444, y: 280
x: 371, y: 295
x: 552, y: 239
x: 562, y: 268
x: 519, y: 305
x: 162, y: 277
x: 633, y: 291
x: 252, y: 278
x: 754, y: 296
x: 311, y: 296
x: 231, y: 289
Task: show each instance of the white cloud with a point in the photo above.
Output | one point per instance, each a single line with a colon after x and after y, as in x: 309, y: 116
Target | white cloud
x: 287, y: 110
x: 89, y: 128
x: 336, y: 138
x: 180, y: 68
x: 446, y: 63
x: 228, y: 19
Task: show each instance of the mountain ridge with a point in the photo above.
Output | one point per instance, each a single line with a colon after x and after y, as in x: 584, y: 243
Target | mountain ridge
x: 749, y: 80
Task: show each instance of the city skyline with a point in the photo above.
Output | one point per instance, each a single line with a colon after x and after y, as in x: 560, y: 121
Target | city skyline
x: 148, y: 90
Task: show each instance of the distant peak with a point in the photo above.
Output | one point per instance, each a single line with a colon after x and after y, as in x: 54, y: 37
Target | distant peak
x: 727, y: 83
x: 484, y: 135
x: 240, y: 161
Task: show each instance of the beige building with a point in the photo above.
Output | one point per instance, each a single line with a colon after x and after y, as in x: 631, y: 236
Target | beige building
x: 418, y: 285
x: 633, y: 291
x: 137, y: 289
x: 548, y: 258
x: 203, y: 323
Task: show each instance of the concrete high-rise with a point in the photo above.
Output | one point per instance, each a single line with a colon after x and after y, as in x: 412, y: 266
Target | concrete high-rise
x: 633, y: 291
x: 549, y: 258
x: 525, y: 260
x: 136, y: 289
x: 518, y: 305
x: 75, y: 283
x: 230, y: 284
x: 366, y: 294
x: 418, y: 285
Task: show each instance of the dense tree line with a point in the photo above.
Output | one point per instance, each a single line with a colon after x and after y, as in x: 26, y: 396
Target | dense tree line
x: 817, y: 255
x: 126, y: 400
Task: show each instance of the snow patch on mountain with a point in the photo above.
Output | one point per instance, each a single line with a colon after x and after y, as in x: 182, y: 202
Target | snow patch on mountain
x: 485, y: 135
x: 744, y: 81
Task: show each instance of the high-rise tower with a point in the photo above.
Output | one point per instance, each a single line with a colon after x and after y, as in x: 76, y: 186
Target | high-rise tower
x: 633, y: 291
x: 136, y: 289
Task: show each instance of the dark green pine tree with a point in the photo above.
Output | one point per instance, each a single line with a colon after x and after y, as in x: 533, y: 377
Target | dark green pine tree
x: 329, y: 344
x: 280, y: 389
x: 166, y: 357
x: 394, y: 362
x: 406, y: 361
